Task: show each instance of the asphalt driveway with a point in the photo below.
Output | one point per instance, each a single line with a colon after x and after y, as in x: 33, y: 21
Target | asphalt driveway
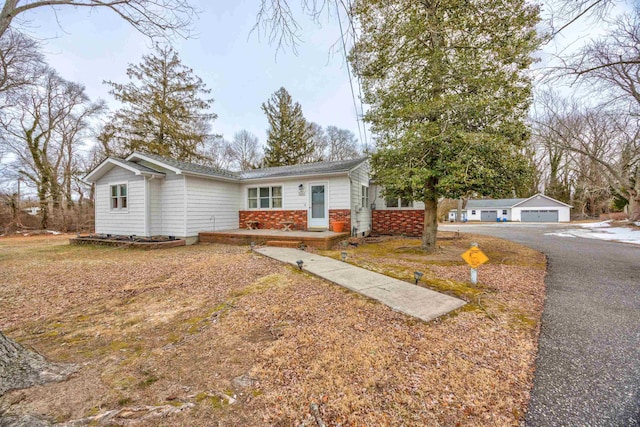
x: 588, y: 365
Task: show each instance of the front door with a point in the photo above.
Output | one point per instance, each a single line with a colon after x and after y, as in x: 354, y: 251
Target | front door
x: 318, y: 211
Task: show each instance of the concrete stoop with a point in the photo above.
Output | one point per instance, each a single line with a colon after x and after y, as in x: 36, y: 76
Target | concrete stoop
x: 284, y: 243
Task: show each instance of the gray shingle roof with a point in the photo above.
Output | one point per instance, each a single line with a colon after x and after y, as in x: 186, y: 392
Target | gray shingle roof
x: 304, y: 169
x: 492, y: 203
x: 192, y: 167
x: 141, y: 168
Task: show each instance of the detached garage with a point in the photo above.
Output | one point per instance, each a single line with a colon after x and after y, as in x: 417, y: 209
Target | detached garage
x: 539, y: 208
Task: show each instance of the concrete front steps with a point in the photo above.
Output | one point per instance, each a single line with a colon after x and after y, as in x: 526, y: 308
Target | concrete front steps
x: 284, y: 243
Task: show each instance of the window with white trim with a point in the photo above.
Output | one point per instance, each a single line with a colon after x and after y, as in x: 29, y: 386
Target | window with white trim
x: 473, y: 212
x: 398, y: 202
x: 265, y: 197
x: 365, y: 197
x: 504, y: 211
x: 119, y: 197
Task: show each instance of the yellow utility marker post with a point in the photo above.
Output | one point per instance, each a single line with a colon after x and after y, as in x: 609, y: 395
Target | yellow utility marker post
x: 475, y: 258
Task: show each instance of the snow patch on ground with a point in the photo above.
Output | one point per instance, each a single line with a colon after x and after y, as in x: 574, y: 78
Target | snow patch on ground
x: 602, y: 231
x: 596, y: 224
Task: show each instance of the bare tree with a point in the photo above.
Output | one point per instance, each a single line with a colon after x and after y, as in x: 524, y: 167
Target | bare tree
x: 275, y: 18
x: 613, y: 61
x: 20, y: 61
x: 605, y: 146
x: 565, y: 13
x: 42, y: 130
x: 153, y: 18
x: 319, y: 142
x: 217, y: 152
x: 342, y: 144
x: 244, y: 150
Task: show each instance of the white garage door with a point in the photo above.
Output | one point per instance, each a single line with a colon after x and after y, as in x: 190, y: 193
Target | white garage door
x: 539, y: 215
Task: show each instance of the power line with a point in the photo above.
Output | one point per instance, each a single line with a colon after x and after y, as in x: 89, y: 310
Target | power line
x: 353, y: 95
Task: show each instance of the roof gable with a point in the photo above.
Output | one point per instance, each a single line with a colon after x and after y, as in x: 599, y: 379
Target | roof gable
x: 111, y: 162
x: 547, y: 201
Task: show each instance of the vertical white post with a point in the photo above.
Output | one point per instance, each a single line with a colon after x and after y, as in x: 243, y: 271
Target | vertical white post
x: 474, y: 271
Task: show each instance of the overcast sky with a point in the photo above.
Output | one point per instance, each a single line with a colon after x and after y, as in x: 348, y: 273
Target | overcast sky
x: 241, y: 68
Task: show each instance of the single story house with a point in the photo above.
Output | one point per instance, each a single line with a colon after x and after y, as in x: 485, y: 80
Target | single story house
x: 537, y: 208
x: 149, y: 195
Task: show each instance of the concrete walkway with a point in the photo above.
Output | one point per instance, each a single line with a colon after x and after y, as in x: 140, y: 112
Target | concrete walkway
x: 401, y: 296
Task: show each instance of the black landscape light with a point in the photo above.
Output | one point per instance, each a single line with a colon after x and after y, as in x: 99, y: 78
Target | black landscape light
x: 417, y: 275
x: 302, y: 246
x: 343, y: 255
x: 300, y: 262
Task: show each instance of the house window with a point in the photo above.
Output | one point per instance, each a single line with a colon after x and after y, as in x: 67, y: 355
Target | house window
x: 119, y: 196
x: 365, y: 197
x: 265, y: 197
x: 399, y: 202
x: 473, y: 212
x: 504, y: 211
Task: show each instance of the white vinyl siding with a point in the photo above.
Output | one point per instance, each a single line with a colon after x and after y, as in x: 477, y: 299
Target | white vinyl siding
x: 210, y: 201
x: 339, y: 195
x: 120, y: 221
x: 155, y: 204
x: 172, y: 205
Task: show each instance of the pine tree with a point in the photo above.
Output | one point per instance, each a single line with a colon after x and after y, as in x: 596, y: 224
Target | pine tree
x: 448, y: 92
x: 289, y: 138
x: 162, y: 112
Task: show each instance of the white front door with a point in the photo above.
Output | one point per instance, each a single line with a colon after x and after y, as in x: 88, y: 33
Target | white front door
x: 318, y: 210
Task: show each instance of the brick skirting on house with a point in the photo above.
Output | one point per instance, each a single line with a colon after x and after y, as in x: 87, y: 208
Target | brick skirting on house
x: 408, y: 222
x: 272, y: 219
x: 340, y: 215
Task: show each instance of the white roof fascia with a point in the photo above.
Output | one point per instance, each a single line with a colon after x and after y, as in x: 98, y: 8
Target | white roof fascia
x: 115, y: 162
x: 359, y: 164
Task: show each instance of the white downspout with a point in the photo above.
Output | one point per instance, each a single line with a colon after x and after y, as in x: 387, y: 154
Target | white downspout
x: 147, y: 208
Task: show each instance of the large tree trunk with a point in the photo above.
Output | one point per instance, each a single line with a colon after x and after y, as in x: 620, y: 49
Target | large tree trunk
x: 634, y: 205
x: 21, y: 368
x: 430, y: 225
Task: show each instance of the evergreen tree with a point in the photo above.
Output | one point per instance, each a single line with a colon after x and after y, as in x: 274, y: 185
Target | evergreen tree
x: 163, y: 112
x: 447, y: 85
x: 289, y: 138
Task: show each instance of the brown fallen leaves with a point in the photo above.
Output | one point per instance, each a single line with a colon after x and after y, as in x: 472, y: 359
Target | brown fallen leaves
x: 238, y: 339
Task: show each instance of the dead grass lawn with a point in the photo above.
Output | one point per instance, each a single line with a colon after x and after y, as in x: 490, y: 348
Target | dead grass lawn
x: 249, y: 341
